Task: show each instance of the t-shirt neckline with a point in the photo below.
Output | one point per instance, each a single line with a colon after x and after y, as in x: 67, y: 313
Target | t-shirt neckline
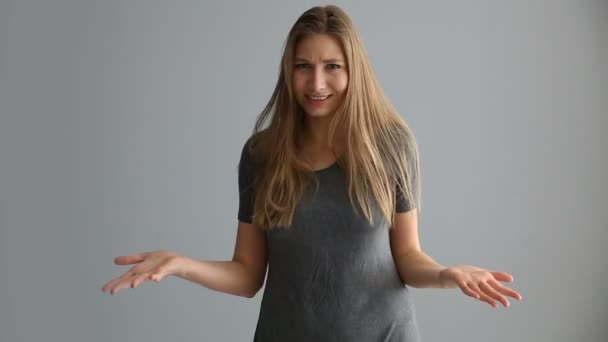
x: 327, y: 167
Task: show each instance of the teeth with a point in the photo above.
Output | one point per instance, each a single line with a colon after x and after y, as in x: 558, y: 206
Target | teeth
x: 318, y: 97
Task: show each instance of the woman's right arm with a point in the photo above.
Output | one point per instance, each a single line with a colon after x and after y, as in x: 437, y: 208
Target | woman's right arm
x: 242, y: 276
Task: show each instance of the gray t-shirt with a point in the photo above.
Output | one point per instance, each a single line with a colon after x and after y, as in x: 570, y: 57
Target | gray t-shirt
x: 331, y: 275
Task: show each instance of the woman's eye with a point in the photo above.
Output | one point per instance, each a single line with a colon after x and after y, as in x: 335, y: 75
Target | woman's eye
x: 305, y: 66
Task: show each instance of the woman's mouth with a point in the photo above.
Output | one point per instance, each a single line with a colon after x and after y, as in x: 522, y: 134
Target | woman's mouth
x: 317, y: 100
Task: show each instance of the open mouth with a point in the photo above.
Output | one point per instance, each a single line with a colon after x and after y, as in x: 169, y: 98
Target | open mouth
x: 317, y: 99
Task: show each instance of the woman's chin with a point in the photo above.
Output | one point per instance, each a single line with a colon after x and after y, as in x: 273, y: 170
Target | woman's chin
x: 319, y: 114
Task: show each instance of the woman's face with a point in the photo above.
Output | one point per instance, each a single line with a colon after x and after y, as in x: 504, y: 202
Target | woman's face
x: 320, y: 76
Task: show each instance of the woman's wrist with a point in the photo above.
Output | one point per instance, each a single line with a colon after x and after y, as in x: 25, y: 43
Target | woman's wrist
x: 182, y: 264
x: 445, y: 280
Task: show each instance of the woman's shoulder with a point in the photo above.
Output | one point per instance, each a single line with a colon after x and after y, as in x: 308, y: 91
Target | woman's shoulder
x: 253, y: 150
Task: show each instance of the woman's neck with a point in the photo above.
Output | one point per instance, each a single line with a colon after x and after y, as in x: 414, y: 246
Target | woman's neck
x: 315, y: 140
x: 316, y: 132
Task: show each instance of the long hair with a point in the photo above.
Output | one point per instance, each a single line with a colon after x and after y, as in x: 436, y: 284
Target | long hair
x: 380, y: 160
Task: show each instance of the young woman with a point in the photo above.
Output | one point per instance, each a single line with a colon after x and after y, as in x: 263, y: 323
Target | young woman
x: 329, y: 196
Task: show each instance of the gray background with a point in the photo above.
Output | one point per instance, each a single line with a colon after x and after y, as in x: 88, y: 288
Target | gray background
x: 122, y: 122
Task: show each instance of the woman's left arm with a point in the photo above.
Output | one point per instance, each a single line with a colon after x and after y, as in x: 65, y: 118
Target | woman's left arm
x: 417, y: 269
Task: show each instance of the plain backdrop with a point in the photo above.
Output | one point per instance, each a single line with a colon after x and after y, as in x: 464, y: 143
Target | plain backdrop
x: 121, y: 124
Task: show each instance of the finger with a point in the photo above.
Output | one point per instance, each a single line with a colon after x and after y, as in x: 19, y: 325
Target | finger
x: 491, y: 292
x: 482, y: 296
x: 505, y: 290
x: 128, y: 259
x: 467, y: 290
x: 125, y: 276
x: 140, y: 279
x: 502, y: 276
x: 109, y: 285
x: 116, y: 280
x: 126, y: 283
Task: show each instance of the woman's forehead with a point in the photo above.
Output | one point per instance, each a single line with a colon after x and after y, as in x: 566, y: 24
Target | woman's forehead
x: 320, y: 47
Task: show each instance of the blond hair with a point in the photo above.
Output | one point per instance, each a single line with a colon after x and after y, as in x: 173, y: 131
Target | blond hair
x: 381, y: 157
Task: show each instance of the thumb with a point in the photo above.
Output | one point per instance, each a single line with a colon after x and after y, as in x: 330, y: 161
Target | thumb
x: 502, y: 276
x: 128, y: 259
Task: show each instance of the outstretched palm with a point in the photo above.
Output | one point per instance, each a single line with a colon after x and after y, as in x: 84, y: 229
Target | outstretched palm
x: 479, y: 283
x: 149, y: 266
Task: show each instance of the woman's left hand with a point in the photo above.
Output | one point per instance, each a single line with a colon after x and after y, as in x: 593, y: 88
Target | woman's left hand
x: 479, y: 283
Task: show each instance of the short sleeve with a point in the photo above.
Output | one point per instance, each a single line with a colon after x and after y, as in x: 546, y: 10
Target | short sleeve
x: 402, y: 205
x: 246, y: 189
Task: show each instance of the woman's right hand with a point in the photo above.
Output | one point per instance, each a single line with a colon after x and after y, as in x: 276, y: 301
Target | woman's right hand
x: 153, y: 265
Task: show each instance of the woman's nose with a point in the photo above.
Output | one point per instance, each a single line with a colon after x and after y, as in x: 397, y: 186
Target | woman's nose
x: 317, y: 79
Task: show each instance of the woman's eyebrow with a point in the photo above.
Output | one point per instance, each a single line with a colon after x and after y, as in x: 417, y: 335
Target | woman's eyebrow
x: 331, y: 60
